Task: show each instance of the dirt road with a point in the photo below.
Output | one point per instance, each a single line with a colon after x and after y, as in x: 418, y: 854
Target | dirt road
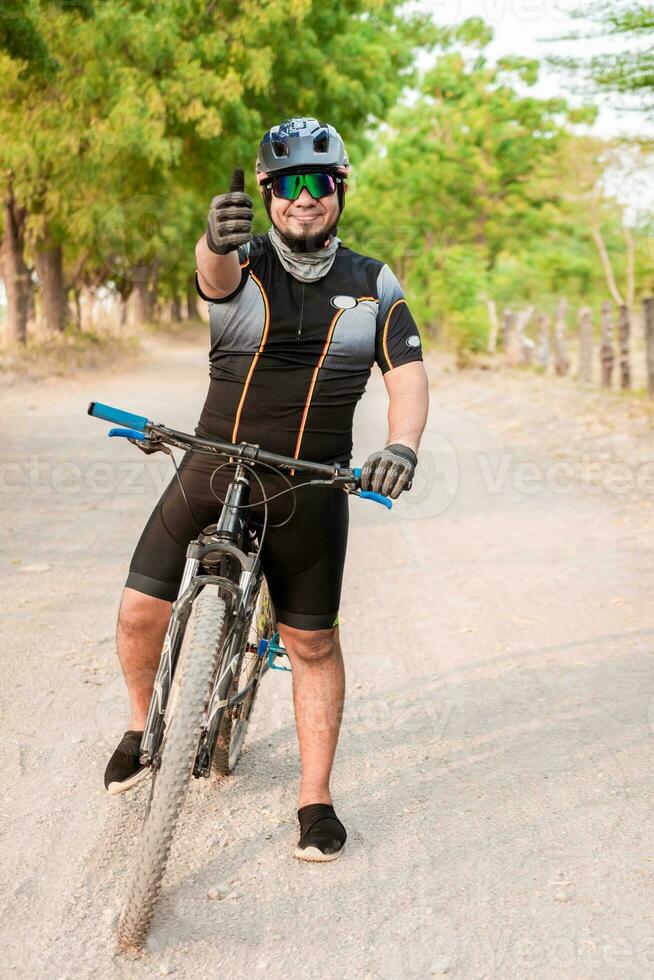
x: 494, y: 770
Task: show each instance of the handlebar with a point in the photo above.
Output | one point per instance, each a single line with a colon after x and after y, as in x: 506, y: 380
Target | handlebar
x: 141, y: 429
x: 109, y: 414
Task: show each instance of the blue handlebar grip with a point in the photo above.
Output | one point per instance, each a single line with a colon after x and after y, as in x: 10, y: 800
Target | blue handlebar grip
x: 109, y: 414
x: 127, y: 434
x: 357, y: 472
x: 379, y: 497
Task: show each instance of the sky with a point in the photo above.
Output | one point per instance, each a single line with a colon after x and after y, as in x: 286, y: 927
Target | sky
x: 523, y: 27
x: 528, y: 28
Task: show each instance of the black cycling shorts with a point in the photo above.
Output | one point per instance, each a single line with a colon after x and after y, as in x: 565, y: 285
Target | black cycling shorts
x: 303, y: 561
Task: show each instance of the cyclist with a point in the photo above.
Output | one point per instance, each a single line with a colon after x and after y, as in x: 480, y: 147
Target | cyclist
x: 296, y: 321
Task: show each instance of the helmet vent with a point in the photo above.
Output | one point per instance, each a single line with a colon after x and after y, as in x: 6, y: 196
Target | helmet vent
x: 321, y: 141
x: 280, y: 146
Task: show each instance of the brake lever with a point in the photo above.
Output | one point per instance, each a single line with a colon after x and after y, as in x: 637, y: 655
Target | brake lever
x: 149, y: 447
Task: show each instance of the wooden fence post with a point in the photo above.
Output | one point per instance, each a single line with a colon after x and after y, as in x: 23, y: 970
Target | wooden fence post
x: 512, y: 343
x: 524, y: 344
x: 494, y: 326
x: 507, y: 326
x: 623, y: 334
x: 606, y: 349
x: 561, y: 359
x: 542, y: 352
x: 648, y: 313
x: 585, y: 344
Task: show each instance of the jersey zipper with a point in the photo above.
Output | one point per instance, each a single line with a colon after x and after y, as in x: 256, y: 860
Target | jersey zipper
x: 299, y: 326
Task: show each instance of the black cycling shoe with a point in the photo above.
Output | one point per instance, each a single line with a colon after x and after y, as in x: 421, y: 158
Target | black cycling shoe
x: 124, y: 769
x: 322, y: 835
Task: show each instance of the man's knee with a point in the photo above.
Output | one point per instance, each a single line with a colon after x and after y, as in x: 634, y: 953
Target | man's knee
x: 140, y: 613
x: 311, y: 646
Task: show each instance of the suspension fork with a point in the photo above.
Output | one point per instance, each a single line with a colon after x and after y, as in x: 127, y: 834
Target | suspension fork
x: 163, y: 679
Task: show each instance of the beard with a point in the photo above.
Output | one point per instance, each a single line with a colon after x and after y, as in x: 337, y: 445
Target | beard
x: 307, y: 241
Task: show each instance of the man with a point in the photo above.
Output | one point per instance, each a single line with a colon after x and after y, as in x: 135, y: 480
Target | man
x: 297, y: 321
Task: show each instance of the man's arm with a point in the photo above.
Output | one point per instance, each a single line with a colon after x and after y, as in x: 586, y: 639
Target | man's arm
x: 390, y: 470
x: 408, y: 393
x: 229, y: 225
x: 218, y: 275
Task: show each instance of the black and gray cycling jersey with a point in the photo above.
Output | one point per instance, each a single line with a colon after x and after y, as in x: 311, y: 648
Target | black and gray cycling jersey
x: 289, y: 360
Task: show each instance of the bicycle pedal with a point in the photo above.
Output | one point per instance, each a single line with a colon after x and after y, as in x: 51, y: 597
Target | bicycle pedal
x: 272, y: 649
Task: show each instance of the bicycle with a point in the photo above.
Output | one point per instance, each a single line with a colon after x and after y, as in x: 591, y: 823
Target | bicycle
x: 221, y: 639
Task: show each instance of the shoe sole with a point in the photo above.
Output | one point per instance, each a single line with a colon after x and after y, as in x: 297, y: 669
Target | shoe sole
x: 115, y: 788
x: 315, y: 854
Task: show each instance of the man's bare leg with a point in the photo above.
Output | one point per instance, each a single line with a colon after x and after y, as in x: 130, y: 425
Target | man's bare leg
x: 318, y: 693
x: 142, y: 624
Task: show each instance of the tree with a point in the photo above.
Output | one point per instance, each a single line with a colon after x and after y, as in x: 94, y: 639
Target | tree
x: 628, y: 71
x: 464, y: 173
x: 147, y: 101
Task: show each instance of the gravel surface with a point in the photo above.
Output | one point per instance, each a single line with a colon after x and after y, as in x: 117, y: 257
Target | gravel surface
x: 494, y: 766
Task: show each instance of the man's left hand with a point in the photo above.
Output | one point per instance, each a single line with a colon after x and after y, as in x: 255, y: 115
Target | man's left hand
x: 389, y: 471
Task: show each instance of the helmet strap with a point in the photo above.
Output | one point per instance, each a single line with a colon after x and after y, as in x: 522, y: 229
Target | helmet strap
x: 267, y: 196
x: 340, y: 190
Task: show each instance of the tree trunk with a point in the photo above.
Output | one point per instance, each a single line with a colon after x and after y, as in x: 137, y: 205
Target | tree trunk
x: 18, y: 284
x: 153, y: 286
x: 142, y: 305
x: 606, y: 349
x: 561, y: 359
x: 86, y: 303
x: 175, y: 309
x: 648, y: 313
x: 191, y: 299
x: 77, y: 309
x: 585, y: 345
x: 33, y: 316
x: 48, y: 259
x: 623, y: 335
x: 124, y: 311
x: 146, y: 283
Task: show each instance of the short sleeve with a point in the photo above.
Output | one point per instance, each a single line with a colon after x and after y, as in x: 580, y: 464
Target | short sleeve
x: 397, y: 338
x: 244, y: 262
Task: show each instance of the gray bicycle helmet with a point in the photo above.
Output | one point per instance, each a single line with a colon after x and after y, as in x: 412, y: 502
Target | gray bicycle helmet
x: 301, y: 143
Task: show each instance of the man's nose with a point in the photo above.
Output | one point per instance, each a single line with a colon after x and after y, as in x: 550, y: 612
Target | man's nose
x: 305, y: 198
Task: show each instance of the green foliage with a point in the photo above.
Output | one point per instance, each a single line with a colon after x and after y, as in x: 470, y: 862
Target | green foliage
x: 467, y: 174
x: 628, y: 71
x: 134, y: 113
x: 122, y: 118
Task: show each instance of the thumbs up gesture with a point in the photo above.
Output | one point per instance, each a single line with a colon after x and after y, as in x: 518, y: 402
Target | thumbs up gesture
x: 230, y: 218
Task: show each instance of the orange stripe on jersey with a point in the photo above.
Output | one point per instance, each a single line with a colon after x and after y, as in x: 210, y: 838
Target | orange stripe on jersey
x: 313, y: 383
x: 385, y: 333
x: 362, y: 299
x: 255, y: 358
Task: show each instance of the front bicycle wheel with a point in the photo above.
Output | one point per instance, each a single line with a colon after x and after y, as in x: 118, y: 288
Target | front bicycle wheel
x: 248, y: 671
x: 200, y: 654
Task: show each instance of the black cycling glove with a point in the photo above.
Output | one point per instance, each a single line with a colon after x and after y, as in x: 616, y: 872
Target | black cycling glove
x: 230, y: 218
x: 390, y: 470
